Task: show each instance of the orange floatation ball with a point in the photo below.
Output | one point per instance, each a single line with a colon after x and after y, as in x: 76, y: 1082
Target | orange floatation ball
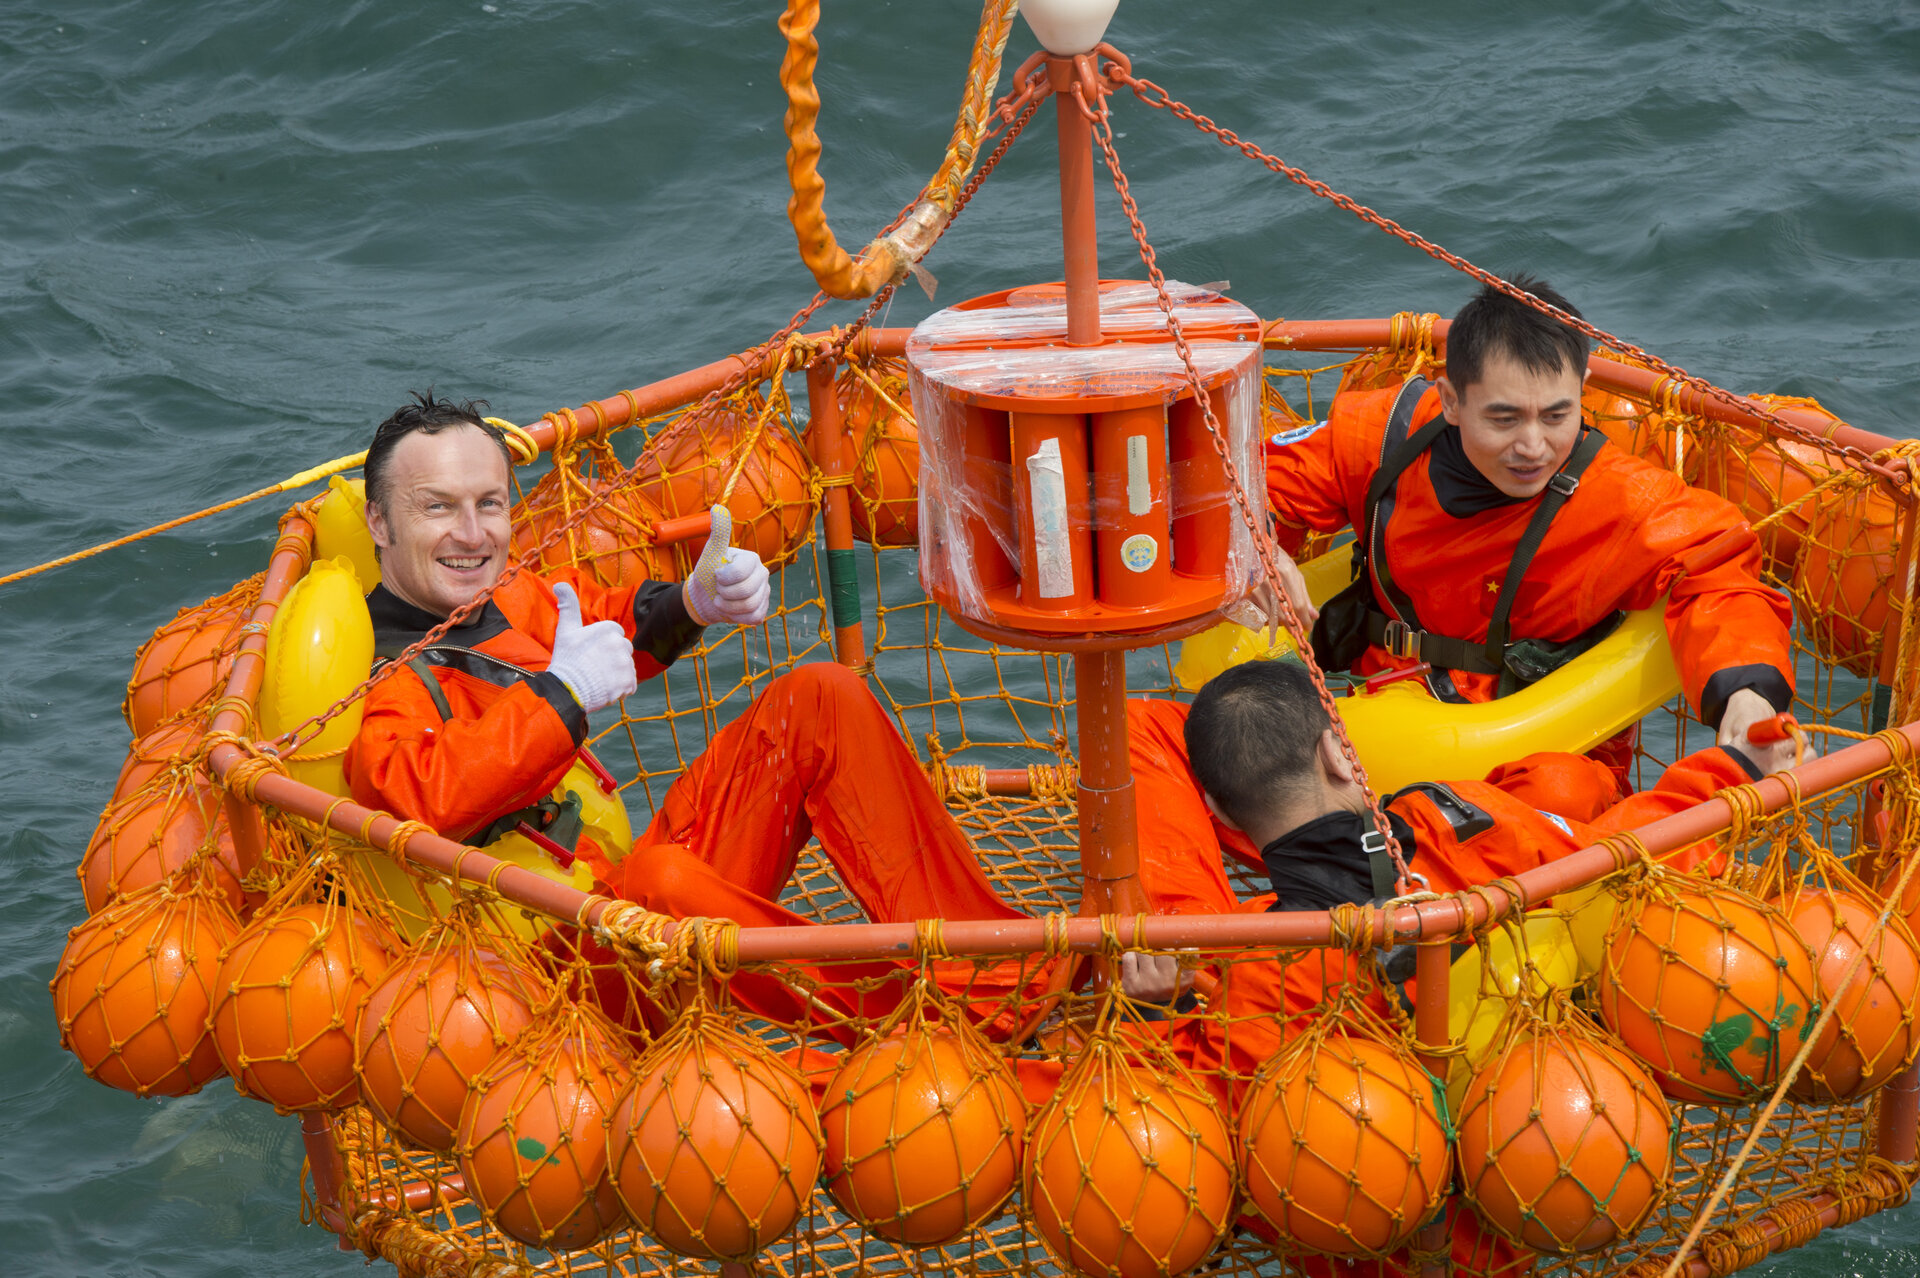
x: 924, y: 1132
x: 758, y: 472
x: 1129, y: 1174
x: 167, y: 746
x: 532, y: 1139
x: 289, y: 995
x: 715, y: 1146
x: 613, y: 542
x: 885, y: 456
x: 183, y: 665
x: 434, y: 1023
x: 1342, y: 1145
x: 1709, y: 988
x: 134, y: 986
x: 151, y: 833
x: 1843, y: 584
x: 1871, y: 1036
x: 1565, y: 1143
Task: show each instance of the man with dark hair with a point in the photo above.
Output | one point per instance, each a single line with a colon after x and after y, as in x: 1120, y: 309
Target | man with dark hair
x: 1499, y: 537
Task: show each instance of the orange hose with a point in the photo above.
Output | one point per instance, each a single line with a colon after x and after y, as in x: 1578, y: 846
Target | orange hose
x: 892, y: 254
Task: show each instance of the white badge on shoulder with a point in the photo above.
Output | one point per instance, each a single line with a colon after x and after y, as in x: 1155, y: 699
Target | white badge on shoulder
x: 1295, y: 435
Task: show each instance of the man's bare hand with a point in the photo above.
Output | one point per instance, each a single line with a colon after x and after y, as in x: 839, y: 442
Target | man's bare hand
x: 1152, y: 978
x: 1744, y: 709
x: 1266, y: 597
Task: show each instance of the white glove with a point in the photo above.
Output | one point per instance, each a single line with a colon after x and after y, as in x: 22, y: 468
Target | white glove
x: 728, y: 586
x: 595, y: 662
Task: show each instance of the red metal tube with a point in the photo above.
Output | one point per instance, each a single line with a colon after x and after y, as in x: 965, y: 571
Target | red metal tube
x: 1079, y: 228
x: 669, y: 532
x: 1109, y: 824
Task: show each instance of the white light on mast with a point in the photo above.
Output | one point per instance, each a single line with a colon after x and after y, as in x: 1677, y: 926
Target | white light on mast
x: 1068, y: 27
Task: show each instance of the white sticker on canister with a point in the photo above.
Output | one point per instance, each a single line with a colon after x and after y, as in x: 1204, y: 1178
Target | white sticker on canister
x: 1047, y: 481
x: 1139, y: 552
x: 1139, y: 483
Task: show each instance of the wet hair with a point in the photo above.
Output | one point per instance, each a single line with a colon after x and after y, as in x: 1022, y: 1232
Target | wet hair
x: 1253, y: 737
x: 427, y: 416
x: 1493, y: 323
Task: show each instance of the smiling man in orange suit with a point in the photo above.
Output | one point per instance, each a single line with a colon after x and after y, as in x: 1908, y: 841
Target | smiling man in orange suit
x: 474, y: 734
x: 1499, y: 536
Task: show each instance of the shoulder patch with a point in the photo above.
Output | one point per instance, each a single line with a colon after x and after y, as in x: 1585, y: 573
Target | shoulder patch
x: 1298, y: 433
x: 1557, y: 820
x: 1467, y: 819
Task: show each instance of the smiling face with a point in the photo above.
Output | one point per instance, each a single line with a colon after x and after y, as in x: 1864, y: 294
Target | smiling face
x: 442, y: 526
x: 1517, y: 425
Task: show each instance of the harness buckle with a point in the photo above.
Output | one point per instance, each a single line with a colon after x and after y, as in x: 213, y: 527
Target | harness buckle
x: 1373, y: 842
x: 1402, y: 640
x: 1563, y: 483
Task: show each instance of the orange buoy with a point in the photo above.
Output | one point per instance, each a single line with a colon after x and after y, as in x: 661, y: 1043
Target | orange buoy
x: 1128, y: 1175
x: 614, y: 542
x: 1709, y: 988
x: 924, y: 1131
x: 886, y: 448
x: 1871, y: 1036
x: 760, y: 473
x: 1342, y: 1146
x: 151, y: 833
x: 1565, y: 1143
x: 1842, y: 585
x: 133, y: 988
x: 184, y: 664
x: 715, y: 1146
x: 1763, y: 476
x: 532, y: 1139
x: 289, y: 989
x: 167, y: 746
x: 436, y: 1020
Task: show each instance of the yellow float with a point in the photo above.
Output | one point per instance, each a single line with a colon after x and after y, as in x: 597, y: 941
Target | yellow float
x: 320, y: 649
x: 1404, y: 734
x: 340, y: 528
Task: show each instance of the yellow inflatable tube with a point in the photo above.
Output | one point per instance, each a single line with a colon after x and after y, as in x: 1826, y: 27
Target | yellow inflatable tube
x: 319, y: 649
x: 1403, y: 734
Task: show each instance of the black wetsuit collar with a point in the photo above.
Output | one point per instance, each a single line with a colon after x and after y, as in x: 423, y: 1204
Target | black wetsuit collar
x: 1462, y: 490
x: 398, y: 624
x: 1323, y: 863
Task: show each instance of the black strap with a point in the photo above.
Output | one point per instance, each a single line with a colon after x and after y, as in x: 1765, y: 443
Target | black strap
x: 1386, y: 883
x: 1565, y: 482
x: 1372, y: 548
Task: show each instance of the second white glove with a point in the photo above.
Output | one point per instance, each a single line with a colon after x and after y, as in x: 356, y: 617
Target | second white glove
x: 729, y: 586
x: 595, y: 662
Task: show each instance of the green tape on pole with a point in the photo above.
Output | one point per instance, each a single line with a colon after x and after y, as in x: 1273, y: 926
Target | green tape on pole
x: 845, y: 586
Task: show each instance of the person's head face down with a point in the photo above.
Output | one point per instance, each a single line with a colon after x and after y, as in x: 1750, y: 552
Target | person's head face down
x: 1263, y: 749
x: 1513, y: 386
x: 438, y: 497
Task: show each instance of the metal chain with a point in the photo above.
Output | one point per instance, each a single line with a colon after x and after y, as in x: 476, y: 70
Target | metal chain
x: 1262, y: 540
x: 1155, y: 96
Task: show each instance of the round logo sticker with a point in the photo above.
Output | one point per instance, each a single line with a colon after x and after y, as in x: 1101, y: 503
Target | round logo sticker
x: 1139, y: 552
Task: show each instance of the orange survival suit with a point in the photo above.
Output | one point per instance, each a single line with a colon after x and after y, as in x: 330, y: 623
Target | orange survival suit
x: 1444, y: 537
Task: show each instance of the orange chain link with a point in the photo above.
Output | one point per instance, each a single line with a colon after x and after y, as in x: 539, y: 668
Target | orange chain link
x: 1262, y: 540
x: 1155, y: 96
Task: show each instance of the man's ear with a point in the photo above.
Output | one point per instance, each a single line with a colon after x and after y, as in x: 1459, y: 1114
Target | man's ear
x: 1333, y: 760
x: 1449, y: 400
x: 377, y: 527
x: 1218, y: 815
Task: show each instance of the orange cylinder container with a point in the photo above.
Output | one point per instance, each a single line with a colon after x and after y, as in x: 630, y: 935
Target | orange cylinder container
x: 613, y: 542
x: 290, y: 987
x: 1842, y: 586
x: 183, y: 664
x: 433, y: 1024
x: 1709, y: 988
x: 760, y: 473
x: 1128, y: 1175
x: 1565, y: 1143
x: 924, y: 1133
x: 1871, y: 1036
x: 133, y: 989
x: 532, y: 1141
x: 145, y: 837
x: 1088, y: 471
x: 715, y: 1146
x: 1342, y: 1147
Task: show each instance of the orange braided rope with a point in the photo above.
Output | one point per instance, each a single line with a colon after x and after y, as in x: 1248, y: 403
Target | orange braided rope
x: 896, y: 251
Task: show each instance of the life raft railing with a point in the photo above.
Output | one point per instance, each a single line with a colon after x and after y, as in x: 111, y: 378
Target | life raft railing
x: 251, y: 780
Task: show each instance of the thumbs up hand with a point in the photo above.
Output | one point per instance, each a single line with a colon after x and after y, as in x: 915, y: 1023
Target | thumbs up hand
x: 595, y: 662
x: 729, y: 586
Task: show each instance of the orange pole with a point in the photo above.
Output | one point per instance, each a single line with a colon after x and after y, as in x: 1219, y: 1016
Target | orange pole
x: 1361, y: 334
x: 329, y: 1172
x: 669, y: 532
x: 827, y: 431
x: 1109, y: 824
x: 1432, y: 972
x: 1079, y: 228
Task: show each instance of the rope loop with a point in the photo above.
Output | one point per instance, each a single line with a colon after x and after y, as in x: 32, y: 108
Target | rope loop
x: 520, y: 441
x: 929, y: 940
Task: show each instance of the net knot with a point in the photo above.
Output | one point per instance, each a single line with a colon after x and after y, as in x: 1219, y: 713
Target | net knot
x: 405, y: 832
x: 566, y: 432
x: 631, y: 931
x: 1898, y: 746
x: 699, y: 946
x: 1744, y: 808
x: 1053, y: 784
x: 1053, y: 935
x: 1627, y: 849
x: 1354, y: 927
x: 929, y: 939
x: 233, y: 705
